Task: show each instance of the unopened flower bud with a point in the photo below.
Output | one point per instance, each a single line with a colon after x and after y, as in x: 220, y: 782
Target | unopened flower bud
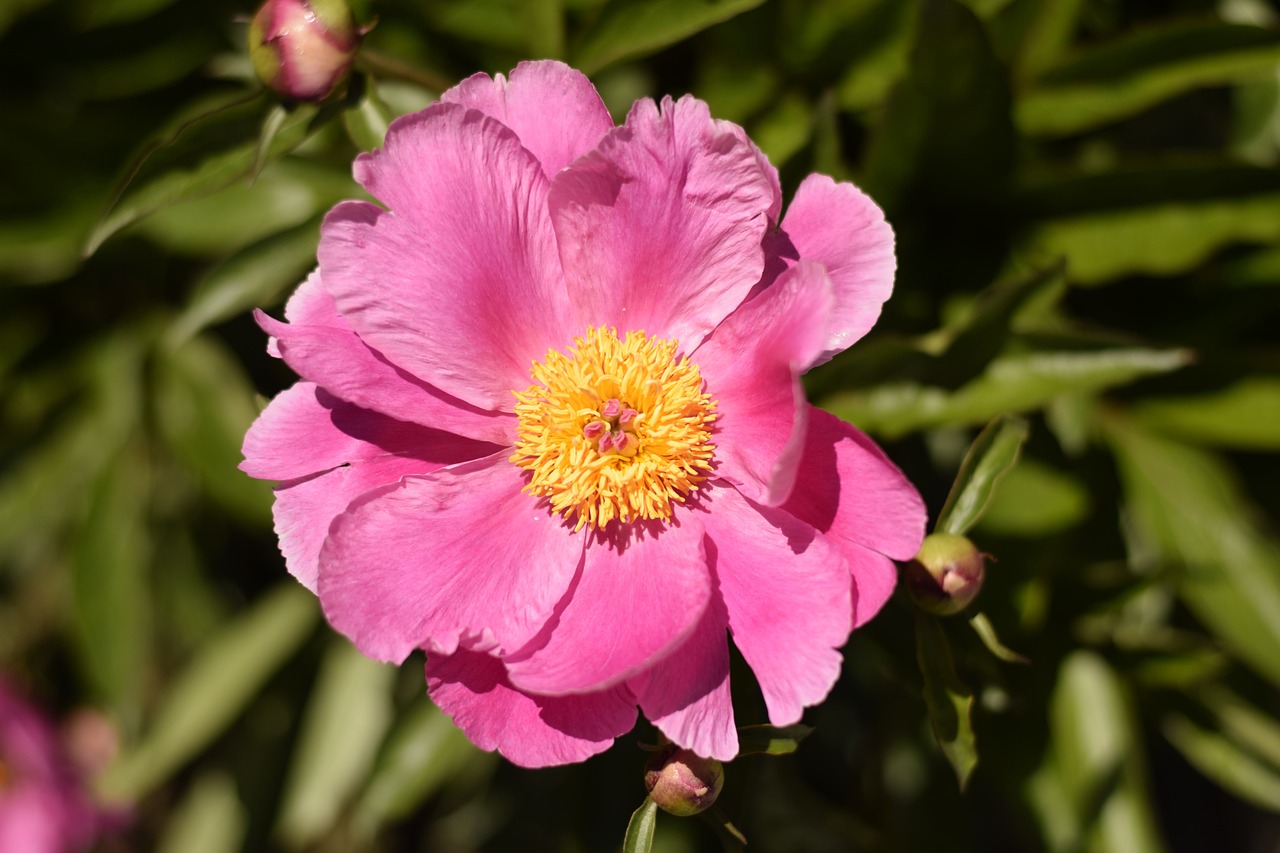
x: 946, y: 574
x: 302, y: 49
x: 683, y: 783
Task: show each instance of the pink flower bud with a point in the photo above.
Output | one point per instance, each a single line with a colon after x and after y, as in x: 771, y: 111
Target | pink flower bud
x: 302, y: 49
x: 946, y: 574
x: 682, y: 783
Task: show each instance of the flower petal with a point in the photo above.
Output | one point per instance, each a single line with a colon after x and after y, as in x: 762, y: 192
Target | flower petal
x: 660, y: 226
x: 306, y: 430
x: 553, y: 108
x: 848, y: 489
x: 752, y: 366
x: 787, y: 592
x: 838, y: 226
x: 531, y: 731
x: 686, y: 694
x: 304, y: 509
x: 459, y: 556
x: 336, y: 359
x: 459, y: 284
x: 634, y: 602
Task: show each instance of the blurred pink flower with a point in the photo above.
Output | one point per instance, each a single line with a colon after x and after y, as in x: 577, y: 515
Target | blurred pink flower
x: 552, y: 431
x: 44, y: 807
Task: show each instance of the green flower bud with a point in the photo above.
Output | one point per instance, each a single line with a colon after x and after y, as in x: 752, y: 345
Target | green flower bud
x: 946, y: 574
x: 303, y: 49
x: 682, y: 783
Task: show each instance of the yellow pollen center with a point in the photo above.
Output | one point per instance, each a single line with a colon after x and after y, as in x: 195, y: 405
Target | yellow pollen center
x: 616, y: 429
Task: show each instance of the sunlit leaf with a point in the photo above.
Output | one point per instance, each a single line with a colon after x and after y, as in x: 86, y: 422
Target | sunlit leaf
x: 948, y: 700
x: 213, y: 173
x: 639, y: 836
x: 1090, y: 792
x: 347, y: 714
x: 1245, y: 415
x: 423, y: 752
x: 991, y: 456
x: 1012, y: 383
x: 213, y: 690
x: 1226, y: 763
x: 982, y: 626
x: 209, y: 819
x: 1135, y: 72
x: 630, y: 28
x: 1187, y: 508
x: 1157, y: 239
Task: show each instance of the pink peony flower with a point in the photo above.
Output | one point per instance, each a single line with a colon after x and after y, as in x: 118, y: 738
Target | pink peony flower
x: 551, y: 428
x: 44, y: 807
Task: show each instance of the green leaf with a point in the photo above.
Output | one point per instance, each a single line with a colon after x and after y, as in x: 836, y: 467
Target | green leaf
x: 785, y: 128
x: 1219, y: 759
x: 878, y: 47
x: 347, y: 715
x: 771, y: 740
x: 631, y: 28
x: 1245, y: 415
x: 1012, y: 383
x: 213, y: 690
x: 947, y: 699
x: 368, y: 120
x: 1047, y: 38
x: 209, y: 819
x: 1163, y: 238
x: 289, y: 194
x: 544, y: 27
x: 253, y: 278
x: 215, y: 172
x: 946, y: 136
x: 639, y: 837
x: 987, y: 633
x: 1036, y: 500
x: 1138, y: 71
x: 992, y: 455
x: 1091, y: 791
x: 110, y: 575
x: 204, y: 405
x: 423, y: 752
x: 1186, y: 508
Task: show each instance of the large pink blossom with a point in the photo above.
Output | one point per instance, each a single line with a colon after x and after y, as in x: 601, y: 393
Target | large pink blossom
x: 44, y: 807
x: 551, y: 427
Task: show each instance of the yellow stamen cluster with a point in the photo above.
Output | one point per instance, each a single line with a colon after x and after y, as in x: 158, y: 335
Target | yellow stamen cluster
x: 615, y: 429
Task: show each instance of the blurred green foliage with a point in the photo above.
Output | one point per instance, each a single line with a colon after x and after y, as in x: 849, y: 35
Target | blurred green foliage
x: 1087, y: 206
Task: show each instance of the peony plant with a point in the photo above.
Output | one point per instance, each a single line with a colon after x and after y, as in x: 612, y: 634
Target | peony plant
x: 551, y: 429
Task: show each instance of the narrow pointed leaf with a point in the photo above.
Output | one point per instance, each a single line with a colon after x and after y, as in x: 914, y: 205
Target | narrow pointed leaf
x: 948, y: 700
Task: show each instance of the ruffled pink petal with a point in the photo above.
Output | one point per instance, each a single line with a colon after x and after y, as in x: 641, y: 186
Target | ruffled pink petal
x: 660, y: 226
x: 752, y: 366
x: 333, y: 357
x: 459, y: 283
x: 636, y: 600
x: 553, y: 108
x: 305, y: 508
x: 531, y: 731
x: 459, y: 556
x: 848, y: 489
x: 838, y: 226
x: 787, y: 592
x: 686, y: 694
x: 306, y: 430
